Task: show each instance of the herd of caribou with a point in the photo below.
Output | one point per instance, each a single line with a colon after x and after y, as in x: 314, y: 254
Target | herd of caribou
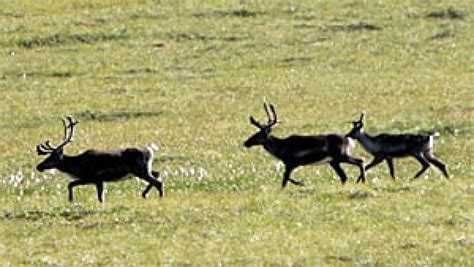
x: 97, y: 167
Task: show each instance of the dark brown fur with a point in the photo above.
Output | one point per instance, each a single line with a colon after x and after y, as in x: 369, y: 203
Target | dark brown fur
x: 298, y: 150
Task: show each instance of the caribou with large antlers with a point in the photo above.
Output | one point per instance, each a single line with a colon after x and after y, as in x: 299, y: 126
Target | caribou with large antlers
x: 389, y: 146
x: 298, y: 150
x: 97, y: 167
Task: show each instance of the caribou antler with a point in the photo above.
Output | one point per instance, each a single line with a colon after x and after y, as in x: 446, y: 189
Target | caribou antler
x: 271, y: 121
x: 43, y: 149
x: 360, y: 121
x: 69, y: 123
x: 361, y: 116
x: 46, y: 147
x: 255, y: 122
x: 271, y: 115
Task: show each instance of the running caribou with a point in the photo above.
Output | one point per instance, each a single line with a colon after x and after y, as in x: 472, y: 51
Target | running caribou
x: 299, y: 150
x: 97, y: 167
x: 389, y: 146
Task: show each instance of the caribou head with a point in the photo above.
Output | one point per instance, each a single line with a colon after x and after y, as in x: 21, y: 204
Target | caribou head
x: 357, y: 128
x: 261, y: 137
x: 56, y: 152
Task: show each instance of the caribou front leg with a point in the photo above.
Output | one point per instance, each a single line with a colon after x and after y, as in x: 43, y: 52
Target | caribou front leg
x: 287, y: 178
x: 100, y: 191
x: 357, y: 162
x: 73, y: 184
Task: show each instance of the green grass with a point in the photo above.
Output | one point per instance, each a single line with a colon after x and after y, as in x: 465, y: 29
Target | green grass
x: 186, y: 75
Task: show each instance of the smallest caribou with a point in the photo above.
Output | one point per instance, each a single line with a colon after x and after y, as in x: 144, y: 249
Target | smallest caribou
x: 97, y: 167
x: 389, y: 146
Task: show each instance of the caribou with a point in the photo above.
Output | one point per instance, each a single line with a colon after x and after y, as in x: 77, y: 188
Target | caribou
x: 389, y: 146
x: 97, y: 167
x: 299, y: 150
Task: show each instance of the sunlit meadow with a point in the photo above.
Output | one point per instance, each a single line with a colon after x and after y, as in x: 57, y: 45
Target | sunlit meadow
x: 185, y: 76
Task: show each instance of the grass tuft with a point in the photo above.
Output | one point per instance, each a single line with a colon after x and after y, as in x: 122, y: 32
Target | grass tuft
x: 361, y: 26
x: 242, y: 13
x: 449, y: 13
x: 180, y: 37
x: 89, y: 115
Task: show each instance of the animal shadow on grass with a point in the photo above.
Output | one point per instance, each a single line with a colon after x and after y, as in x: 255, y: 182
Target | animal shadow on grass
x: 341, y: 194
x: 61, y: 39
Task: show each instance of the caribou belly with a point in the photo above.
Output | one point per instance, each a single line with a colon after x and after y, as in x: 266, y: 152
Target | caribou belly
x: 114, y: 174
x: 323, y: 160
x: 312, y: 157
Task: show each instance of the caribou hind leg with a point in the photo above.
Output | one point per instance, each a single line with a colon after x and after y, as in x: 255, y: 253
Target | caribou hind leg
x: 438, y: 164
x: 156, y: 174
x: 147, y: 189
x: 152, y: 181
x: 424, y: 165
x: 337, y: 167
x: 390, y: 167
x: 100, y: 191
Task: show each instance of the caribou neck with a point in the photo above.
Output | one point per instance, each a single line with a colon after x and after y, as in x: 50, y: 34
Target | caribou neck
x: 274, y: 146
x: 368, y: 142
x: 69, y: 165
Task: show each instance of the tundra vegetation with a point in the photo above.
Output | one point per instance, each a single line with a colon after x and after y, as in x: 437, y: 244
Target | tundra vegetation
x: 185, y: 75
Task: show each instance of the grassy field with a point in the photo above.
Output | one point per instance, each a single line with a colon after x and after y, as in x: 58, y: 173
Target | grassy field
x: 186, y: 75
